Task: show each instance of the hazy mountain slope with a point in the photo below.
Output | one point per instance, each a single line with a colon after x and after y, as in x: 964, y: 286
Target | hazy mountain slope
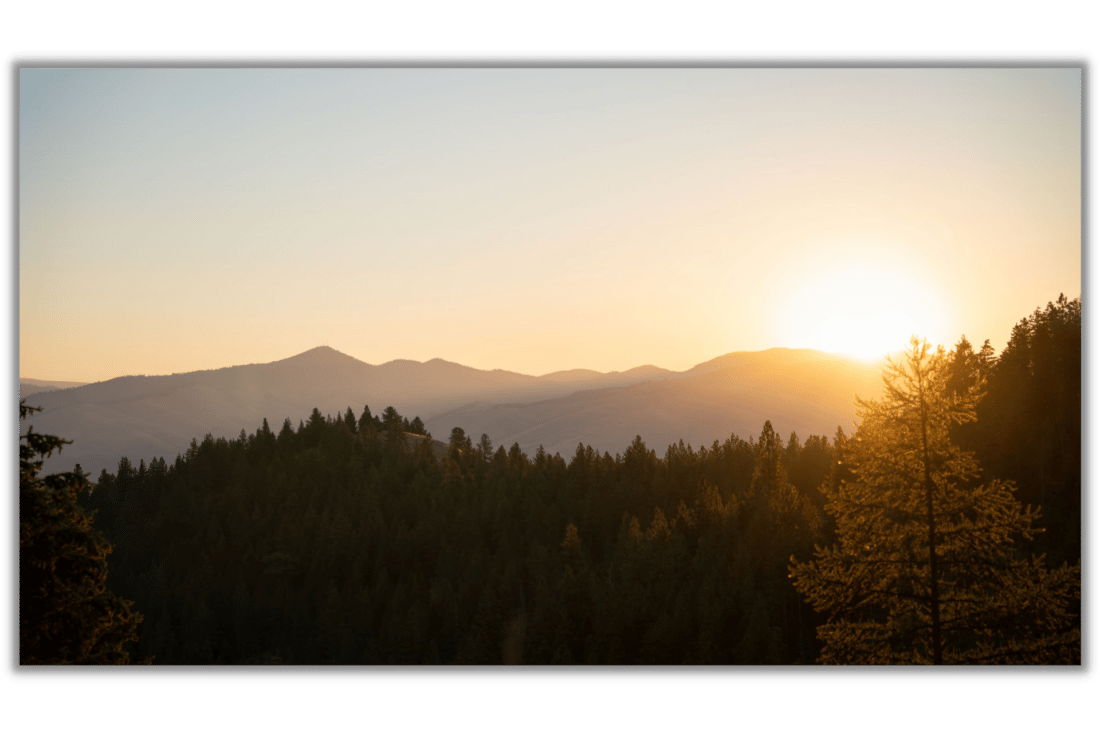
x: 150, y: 416
x: 804, y: 391
x: 145, y: 417
x: 33, y: 386
x: 589, y: 379
x: 51, y: 383
x: 572, y: 375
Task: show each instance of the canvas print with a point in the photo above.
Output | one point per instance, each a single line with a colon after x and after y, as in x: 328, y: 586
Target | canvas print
x: 550, y: 366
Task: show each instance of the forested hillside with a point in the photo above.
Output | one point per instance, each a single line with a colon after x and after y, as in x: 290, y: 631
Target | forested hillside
x: 337, y: 543
x: 145, y: 417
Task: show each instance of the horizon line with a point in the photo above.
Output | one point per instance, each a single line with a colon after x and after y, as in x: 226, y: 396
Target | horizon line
x: 851, y: 357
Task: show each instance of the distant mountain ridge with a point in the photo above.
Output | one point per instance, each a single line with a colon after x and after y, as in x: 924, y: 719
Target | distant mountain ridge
x: 807, y: 392
x: 28, y: 386
x: 144, y: 417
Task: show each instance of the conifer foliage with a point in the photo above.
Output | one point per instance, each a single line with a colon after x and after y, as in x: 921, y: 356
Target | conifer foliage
x: 349, y: 541
x: 66, y: 614
x: 929, y: 567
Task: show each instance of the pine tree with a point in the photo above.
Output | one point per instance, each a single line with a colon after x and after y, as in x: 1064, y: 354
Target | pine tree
x: 571, y: 545
x: 1035, y: 400
x: 264, y: 442
x: 392, y: 420
x: 313, y: 430
x: 66, y: 614
x: 778, y: 516
x: 966, y: 367
x: 366, y: 421
x: 286, y: 439
x: 459, y: 444
x: 393, y: 428
x: 792, y: 453
x: 349, y: 420
x: 927, y: 568
x: 485, y: 448
x: 962, y: 367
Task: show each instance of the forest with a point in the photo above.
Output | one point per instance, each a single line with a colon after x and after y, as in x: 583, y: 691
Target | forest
x: 344, y: 541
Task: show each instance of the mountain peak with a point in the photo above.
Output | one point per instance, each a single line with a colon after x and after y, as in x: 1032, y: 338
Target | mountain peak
x: 320, y: 355
x: 322, y: 351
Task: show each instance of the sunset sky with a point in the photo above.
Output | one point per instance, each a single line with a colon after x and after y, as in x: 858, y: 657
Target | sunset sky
x: 535, y: 219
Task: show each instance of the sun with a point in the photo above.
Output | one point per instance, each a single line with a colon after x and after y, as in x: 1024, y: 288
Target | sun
x: 865, y: 337
x: 865, y: 307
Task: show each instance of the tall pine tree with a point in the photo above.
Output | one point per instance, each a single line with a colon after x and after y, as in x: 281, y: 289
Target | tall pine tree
x: 927, y: 569
x: 66, y: 614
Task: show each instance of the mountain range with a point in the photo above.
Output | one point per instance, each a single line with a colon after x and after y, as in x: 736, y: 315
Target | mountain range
x: 143, y: 417
x: 34, y: 386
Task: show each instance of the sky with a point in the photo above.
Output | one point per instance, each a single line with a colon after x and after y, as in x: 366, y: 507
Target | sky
x: 535, y: 219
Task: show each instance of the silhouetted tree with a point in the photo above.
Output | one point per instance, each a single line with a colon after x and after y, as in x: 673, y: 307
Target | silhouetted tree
x: 366, y: 420
x: 312, y: 432
x: 392, y: 420
x: 66, y: 615
x: 485, y: 449
x: 259, y: 549
x: 459, y: 443
x: 926, y: 570
x: 1029, y: 427
x: 286, y: 438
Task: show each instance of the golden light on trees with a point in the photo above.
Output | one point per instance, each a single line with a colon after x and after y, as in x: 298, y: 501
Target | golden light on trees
x: 930, y: 567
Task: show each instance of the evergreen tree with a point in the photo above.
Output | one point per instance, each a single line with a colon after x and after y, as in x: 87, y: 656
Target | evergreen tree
x: 459, y: 443
x: 1035, y: 401
x: 962, y: 368
x: 366, y: 421
x: 392, y: 420
x: 66, y: 615
x: 286, y: 439
x: 264, y: 442
x: 926, y: 570
x: 571, y: 545
x: 313, y: 430
x: 394, y: 427
x: 769, y: 472
x: 792, y: 453
x: 485, y: 448
x: 965, y: 368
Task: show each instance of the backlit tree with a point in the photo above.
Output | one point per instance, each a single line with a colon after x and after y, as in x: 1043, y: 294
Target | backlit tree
x: 929, y: 567
x: 66, y: 614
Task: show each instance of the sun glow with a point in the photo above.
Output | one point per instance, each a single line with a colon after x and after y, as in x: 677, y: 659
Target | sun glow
x: 865, y: 308
x: 868, y: 337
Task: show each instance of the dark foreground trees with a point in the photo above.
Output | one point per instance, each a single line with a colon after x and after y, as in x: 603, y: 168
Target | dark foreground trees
x: 345, y: 542
x: 356, y: 548
x: 930, y: 566
x: 66, y: 614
